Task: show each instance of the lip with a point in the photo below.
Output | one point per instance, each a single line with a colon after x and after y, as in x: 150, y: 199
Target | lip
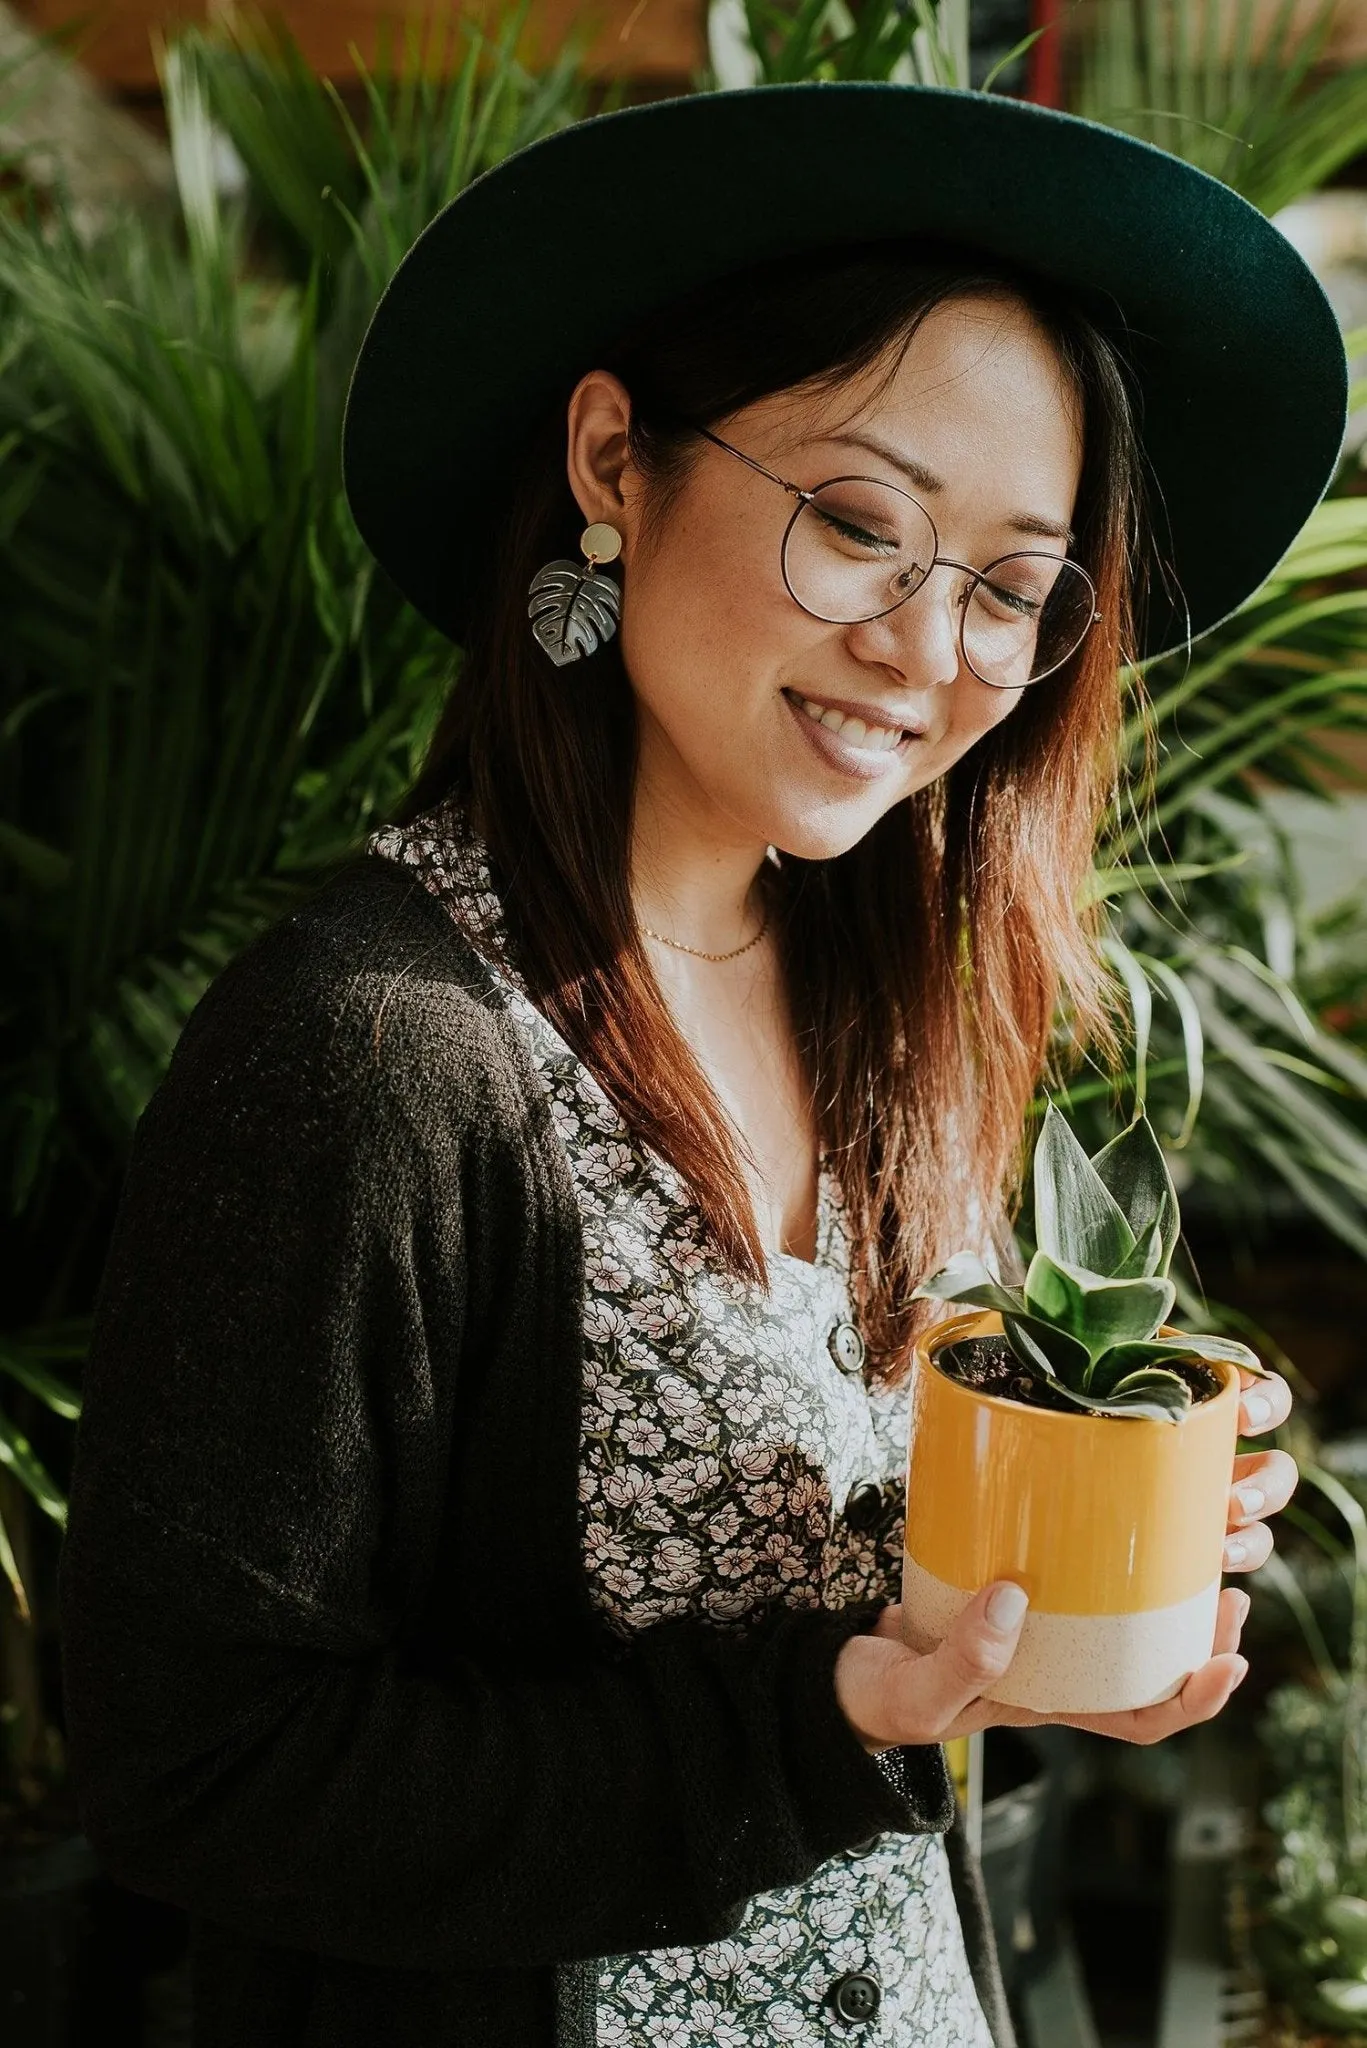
x: 855, y: 762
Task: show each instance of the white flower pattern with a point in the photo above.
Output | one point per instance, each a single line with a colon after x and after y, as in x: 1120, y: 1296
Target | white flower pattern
x: 720, y: 1442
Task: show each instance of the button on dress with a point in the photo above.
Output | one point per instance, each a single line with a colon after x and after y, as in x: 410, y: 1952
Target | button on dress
x: 731, y: 1456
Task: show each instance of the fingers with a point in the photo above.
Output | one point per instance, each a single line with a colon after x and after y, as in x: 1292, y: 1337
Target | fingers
x: 1207, y: 1691
x: 1230, y: 1616
x: 933, y: 1692
x: 1266, y: 1403
x: 1200, y: 1699
x: 1264, y: 1481
x: 1203, y: 1695
x: 1247, y: 1549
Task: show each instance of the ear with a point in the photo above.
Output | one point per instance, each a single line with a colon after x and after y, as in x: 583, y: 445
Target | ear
x: 596, y: 458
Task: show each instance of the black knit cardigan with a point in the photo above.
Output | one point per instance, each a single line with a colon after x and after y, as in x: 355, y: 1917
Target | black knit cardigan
x: 333, y: 1680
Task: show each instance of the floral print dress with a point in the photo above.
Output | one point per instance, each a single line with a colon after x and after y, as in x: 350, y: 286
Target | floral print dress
x: 731, y: 1456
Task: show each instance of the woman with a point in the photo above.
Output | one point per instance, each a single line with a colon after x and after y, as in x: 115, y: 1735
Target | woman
x: 480, y: 1588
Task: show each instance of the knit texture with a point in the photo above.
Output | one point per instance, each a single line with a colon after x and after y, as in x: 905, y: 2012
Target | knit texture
x: 333, y: 1680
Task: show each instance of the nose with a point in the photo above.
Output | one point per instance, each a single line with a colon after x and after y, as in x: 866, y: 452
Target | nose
x: 920, y: 639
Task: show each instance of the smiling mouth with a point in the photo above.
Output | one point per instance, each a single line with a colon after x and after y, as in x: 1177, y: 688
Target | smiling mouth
x: 854, y: 731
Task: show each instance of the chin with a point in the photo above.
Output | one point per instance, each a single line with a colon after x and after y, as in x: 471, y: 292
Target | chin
x: 824, y: 831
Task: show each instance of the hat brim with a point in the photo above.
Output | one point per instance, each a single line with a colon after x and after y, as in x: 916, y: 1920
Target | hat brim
x: 508, y: 295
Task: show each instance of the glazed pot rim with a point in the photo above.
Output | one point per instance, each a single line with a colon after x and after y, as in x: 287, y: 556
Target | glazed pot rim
x: 950, y: 1331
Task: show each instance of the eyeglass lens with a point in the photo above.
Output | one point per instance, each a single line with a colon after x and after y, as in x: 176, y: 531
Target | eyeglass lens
x: 859, y: 548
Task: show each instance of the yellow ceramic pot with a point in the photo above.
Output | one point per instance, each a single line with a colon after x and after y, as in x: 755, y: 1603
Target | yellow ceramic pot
x: 1115, y: 1528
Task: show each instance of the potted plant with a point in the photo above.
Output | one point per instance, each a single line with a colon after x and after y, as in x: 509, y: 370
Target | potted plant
x: 1070, y: 1439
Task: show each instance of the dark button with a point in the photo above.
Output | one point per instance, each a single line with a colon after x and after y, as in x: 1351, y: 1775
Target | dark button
x: 857, y: 1997
x: 864, y: 1506
x: 846, y: 1347
x: 865, y: 1848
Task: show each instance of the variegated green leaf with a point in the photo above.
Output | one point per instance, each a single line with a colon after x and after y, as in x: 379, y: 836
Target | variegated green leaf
x: 1048, y: 1350
x: 1136, y: 1175
x: 1124, y: 1358
x: 1146, y: 1258
x: 965, y: 1278
x: 1098, y: 1312
x: 1077, y: 1219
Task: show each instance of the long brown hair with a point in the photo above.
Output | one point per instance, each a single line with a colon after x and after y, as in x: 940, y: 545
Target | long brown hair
x: 926, y: 965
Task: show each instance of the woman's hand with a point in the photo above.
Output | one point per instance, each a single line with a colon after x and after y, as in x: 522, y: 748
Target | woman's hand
x: 890, y: 1693
x: 1264, y: 1481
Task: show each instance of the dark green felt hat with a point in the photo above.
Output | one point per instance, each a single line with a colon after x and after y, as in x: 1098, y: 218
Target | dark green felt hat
x: 508, y: 296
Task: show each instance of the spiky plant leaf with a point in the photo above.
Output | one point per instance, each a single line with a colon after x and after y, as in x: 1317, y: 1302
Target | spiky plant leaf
x: 965, y: 1278
x: 1132, y: 1167
x: 1161, y: 1396
x: 1146, y: 1260
x: 1077, y: 1219
x: 1168, y: 1399
x: 1095, y: 1310
x: 1133, y: 1357
x: 1046, y: 1349
x: 19, y: 1456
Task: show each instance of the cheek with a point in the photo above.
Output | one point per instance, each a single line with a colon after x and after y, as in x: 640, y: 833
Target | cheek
x: 706, y: 620
x: 977, y: 710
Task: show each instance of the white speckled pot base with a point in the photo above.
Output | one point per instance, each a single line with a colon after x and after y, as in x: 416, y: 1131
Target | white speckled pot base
x: 1076, y: 1663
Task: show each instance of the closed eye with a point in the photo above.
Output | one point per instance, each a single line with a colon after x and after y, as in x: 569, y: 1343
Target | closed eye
x: 1013, y: 600
x: 848, y: 530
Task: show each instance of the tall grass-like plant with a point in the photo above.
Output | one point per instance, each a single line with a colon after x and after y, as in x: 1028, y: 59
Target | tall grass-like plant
x: 910, y: 42
x: 1235, y: 86
x: 1212, y: 937
x: 208, y: 692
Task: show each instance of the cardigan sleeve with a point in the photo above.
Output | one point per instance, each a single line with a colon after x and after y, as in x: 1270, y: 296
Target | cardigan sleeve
x: 252, y: 1730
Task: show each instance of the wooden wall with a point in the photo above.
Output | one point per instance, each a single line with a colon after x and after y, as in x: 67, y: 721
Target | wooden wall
x: 644, y: 39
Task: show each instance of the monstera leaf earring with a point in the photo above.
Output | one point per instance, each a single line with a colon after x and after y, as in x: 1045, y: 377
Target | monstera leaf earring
x: 573, y: 609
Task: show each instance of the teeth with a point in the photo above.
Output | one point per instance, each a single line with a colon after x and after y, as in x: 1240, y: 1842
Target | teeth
x: 874, y: 739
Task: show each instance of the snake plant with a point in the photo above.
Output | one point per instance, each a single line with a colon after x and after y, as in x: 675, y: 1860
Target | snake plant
x: 1086, y: 1318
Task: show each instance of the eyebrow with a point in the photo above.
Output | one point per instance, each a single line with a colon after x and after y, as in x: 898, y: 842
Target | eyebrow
x: 927, y: 481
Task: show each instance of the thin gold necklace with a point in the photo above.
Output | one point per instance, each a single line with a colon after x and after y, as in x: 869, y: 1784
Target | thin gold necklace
x: 697, y: 951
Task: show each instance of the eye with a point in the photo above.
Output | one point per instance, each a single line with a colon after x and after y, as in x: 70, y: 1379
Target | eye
x: 847, y: 529
x: 1018, y: 604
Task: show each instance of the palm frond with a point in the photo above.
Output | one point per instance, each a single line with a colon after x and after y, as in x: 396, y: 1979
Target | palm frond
x: 1230, y: 85
x: 207, y: 693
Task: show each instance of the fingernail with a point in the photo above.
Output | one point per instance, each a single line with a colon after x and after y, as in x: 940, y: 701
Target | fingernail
x: 1241, y: 1672
x: 1247, y: 1599
x: 1006, y: 1607
x: 1235, y: 1551
x: 1251, y: 1499
x: 1258, y: 1409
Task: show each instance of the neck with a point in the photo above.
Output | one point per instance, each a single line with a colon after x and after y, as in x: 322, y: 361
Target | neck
x: 692, y: 878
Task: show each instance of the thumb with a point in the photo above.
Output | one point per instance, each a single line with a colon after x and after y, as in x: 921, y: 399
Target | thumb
x: 978, y: 1648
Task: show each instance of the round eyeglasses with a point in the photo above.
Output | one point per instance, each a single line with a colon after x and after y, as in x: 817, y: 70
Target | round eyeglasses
x: 856, y: 548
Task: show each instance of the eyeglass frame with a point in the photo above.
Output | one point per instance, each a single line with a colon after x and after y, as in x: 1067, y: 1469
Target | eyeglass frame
x: 937, y: 560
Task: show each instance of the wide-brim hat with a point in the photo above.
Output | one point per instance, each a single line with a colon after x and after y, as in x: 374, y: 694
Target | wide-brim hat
x: 511, y: 292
